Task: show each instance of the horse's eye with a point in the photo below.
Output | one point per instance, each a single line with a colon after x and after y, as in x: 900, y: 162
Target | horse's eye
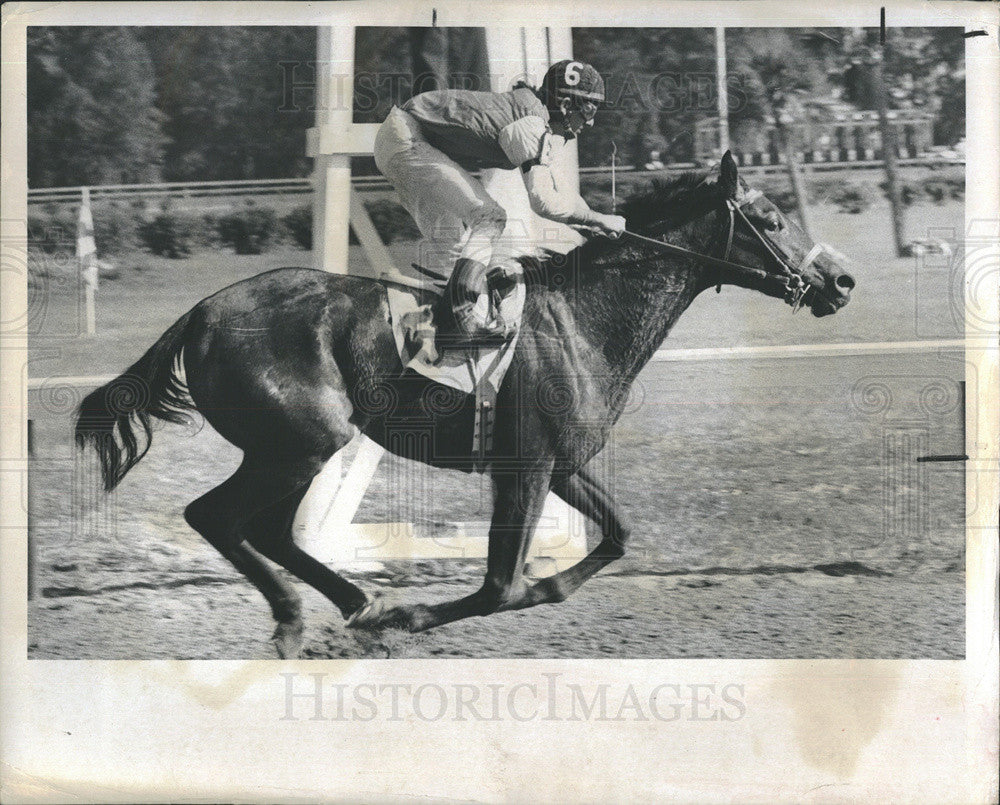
x: 772, y: 223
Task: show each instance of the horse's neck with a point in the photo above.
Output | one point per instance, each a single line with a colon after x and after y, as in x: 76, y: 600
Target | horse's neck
x: 627, y: 307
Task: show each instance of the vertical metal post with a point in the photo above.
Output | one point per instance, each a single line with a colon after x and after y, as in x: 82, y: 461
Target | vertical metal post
x: 721, y: 89
x: 31, y: 511
x: 614, y: 188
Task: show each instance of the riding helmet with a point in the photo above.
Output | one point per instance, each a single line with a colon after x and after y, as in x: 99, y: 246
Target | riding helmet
x: 572, y: 79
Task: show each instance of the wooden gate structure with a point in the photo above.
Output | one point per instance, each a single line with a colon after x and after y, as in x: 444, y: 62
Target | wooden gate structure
x: 325, y: 520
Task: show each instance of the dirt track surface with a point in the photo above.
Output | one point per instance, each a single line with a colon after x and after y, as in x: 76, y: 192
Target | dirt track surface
x: 697, y: 615
x: 759, y: 531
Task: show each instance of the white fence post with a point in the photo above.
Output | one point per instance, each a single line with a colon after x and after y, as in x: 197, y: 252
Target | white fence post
x: 331, y: 222
x: 86, y: 253
x: 332, y: 172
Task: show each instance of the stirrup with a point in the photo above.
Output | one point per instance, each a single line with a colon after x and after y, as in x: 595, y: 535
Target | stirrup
x: 481, y: 338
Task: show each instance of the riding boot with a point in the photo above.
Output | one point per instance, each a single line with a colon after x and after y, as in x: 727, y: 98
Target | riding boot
x: 458, y: 322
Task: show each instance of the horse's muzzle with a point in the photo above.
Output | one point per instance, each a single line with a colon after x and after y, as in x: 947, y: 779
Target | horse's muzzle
x: 835, y: 294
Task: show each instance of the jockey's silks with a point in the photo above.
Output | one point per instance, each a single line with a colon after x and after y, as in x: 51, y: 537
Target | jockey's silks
x: 467, y: 126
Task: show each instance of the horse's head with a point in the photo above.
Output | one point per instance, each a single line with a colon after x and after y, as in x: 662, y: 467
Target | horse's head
x: 782, y: 261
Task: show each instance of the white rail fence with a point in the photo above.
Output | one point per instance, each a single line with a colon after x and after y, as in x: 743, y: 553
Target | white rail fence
x: 304, y: 186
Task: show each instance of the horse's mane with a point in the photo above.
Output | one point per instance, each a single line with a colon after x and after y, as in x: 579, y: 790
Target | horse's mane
x: 657, y: 201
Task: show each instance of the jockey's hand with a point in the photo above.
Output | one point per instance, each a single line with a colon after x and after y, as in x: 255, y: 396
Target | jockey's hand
x: 611, y: 226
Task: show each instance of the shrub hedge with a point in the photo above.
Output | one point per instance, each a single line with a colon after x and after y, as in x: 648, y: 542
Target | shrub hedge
x: 116, y: 227
x: 249, y: 230
x: 121, y: 227
x: 171, y: 234
x: 53, y: 230
x: 392, y: 221
x: 299, y: 225
x: 851, y: 198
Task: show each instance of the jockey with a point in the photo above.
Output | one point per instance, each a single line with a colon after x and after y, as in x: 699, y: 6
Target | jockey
x: 428, y: 148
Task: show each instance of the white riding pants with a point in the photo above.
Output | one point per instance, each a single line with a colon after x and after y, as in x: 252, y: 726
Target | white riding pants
x: 452, y: 209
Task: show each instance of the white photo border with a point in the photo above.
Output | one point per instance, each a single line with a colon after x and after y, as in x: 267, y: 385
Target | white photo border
x: 812, y: 730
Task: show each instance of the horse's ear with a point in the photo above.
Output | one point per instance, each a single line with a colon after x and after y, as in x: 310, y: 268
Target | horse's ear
x: 729, y: 182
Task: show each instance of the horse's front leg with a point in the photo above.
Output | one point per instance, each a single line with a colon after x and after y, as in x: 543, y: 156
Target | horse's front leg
x: 518, y: 499
x: 590, y: 498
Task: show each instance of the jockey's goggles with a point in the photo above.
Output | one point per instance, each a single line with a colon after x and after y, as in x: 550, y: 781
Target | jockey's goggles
x: 588, y: 109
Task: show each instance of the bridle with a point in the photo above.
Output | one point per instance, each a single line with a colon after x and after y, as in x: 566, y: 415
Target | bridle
x: 792, y: 283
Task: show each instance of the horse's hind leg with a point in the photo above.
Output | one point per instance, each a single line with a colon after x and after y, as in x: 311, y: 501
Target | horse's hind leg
x: 270, y: 532
x: 220, y: 516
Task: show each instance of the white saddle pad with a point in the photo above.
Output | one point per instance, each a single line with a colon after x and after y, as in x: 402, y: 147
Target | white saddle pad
x: 462, y: 369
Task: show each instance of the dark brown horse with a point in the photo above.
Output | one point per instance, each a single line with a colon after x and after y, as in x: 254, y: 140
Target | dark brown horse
x: 289, y: 364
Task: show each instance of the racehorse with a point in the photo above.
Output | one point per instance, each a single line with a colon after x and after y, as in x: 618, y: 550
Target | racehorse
x: 290, y: 364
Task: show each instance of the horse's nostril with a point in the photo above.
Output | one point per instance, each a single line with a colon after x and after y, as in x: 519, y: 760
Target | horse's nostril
x: 845, y: 282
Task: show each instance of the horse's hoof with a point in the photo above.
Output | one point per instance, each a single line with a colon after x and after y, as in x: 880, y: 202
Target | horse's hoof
x: 378, y: 615
x: 369, y: 615
x: 287, y: 639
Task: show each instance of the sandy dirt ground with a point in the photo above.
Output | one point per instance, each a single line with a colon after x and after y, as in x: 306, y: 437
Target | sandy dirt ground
x: 760, y: 530
x: 777, y: 506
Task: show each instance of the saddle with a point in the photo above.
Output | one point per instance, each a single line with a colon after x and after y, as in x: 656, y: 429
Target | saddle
x: 417, y: 307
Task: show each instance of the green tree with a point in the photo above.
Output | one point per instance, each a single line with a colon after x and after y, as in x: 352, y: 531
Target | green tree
x: 914, y: 68
x: 944, y: 84
x: 779, y: 72
x: 659, y: 83
x: 924, y: 68
x: 91, y: 113
x: 223, y: 93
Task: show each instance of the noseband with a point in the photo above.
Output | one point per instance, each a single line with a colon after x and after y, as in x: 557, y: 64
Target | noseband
x: 792, y: 283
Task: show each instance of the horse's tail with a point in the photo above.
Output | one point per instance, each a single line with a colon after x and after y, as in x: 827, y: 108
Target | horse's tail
x: 151, y: 387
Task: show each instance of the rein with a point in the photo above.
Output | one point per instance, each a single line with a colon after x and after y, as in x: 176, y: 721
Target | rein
x: 791, y: 279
